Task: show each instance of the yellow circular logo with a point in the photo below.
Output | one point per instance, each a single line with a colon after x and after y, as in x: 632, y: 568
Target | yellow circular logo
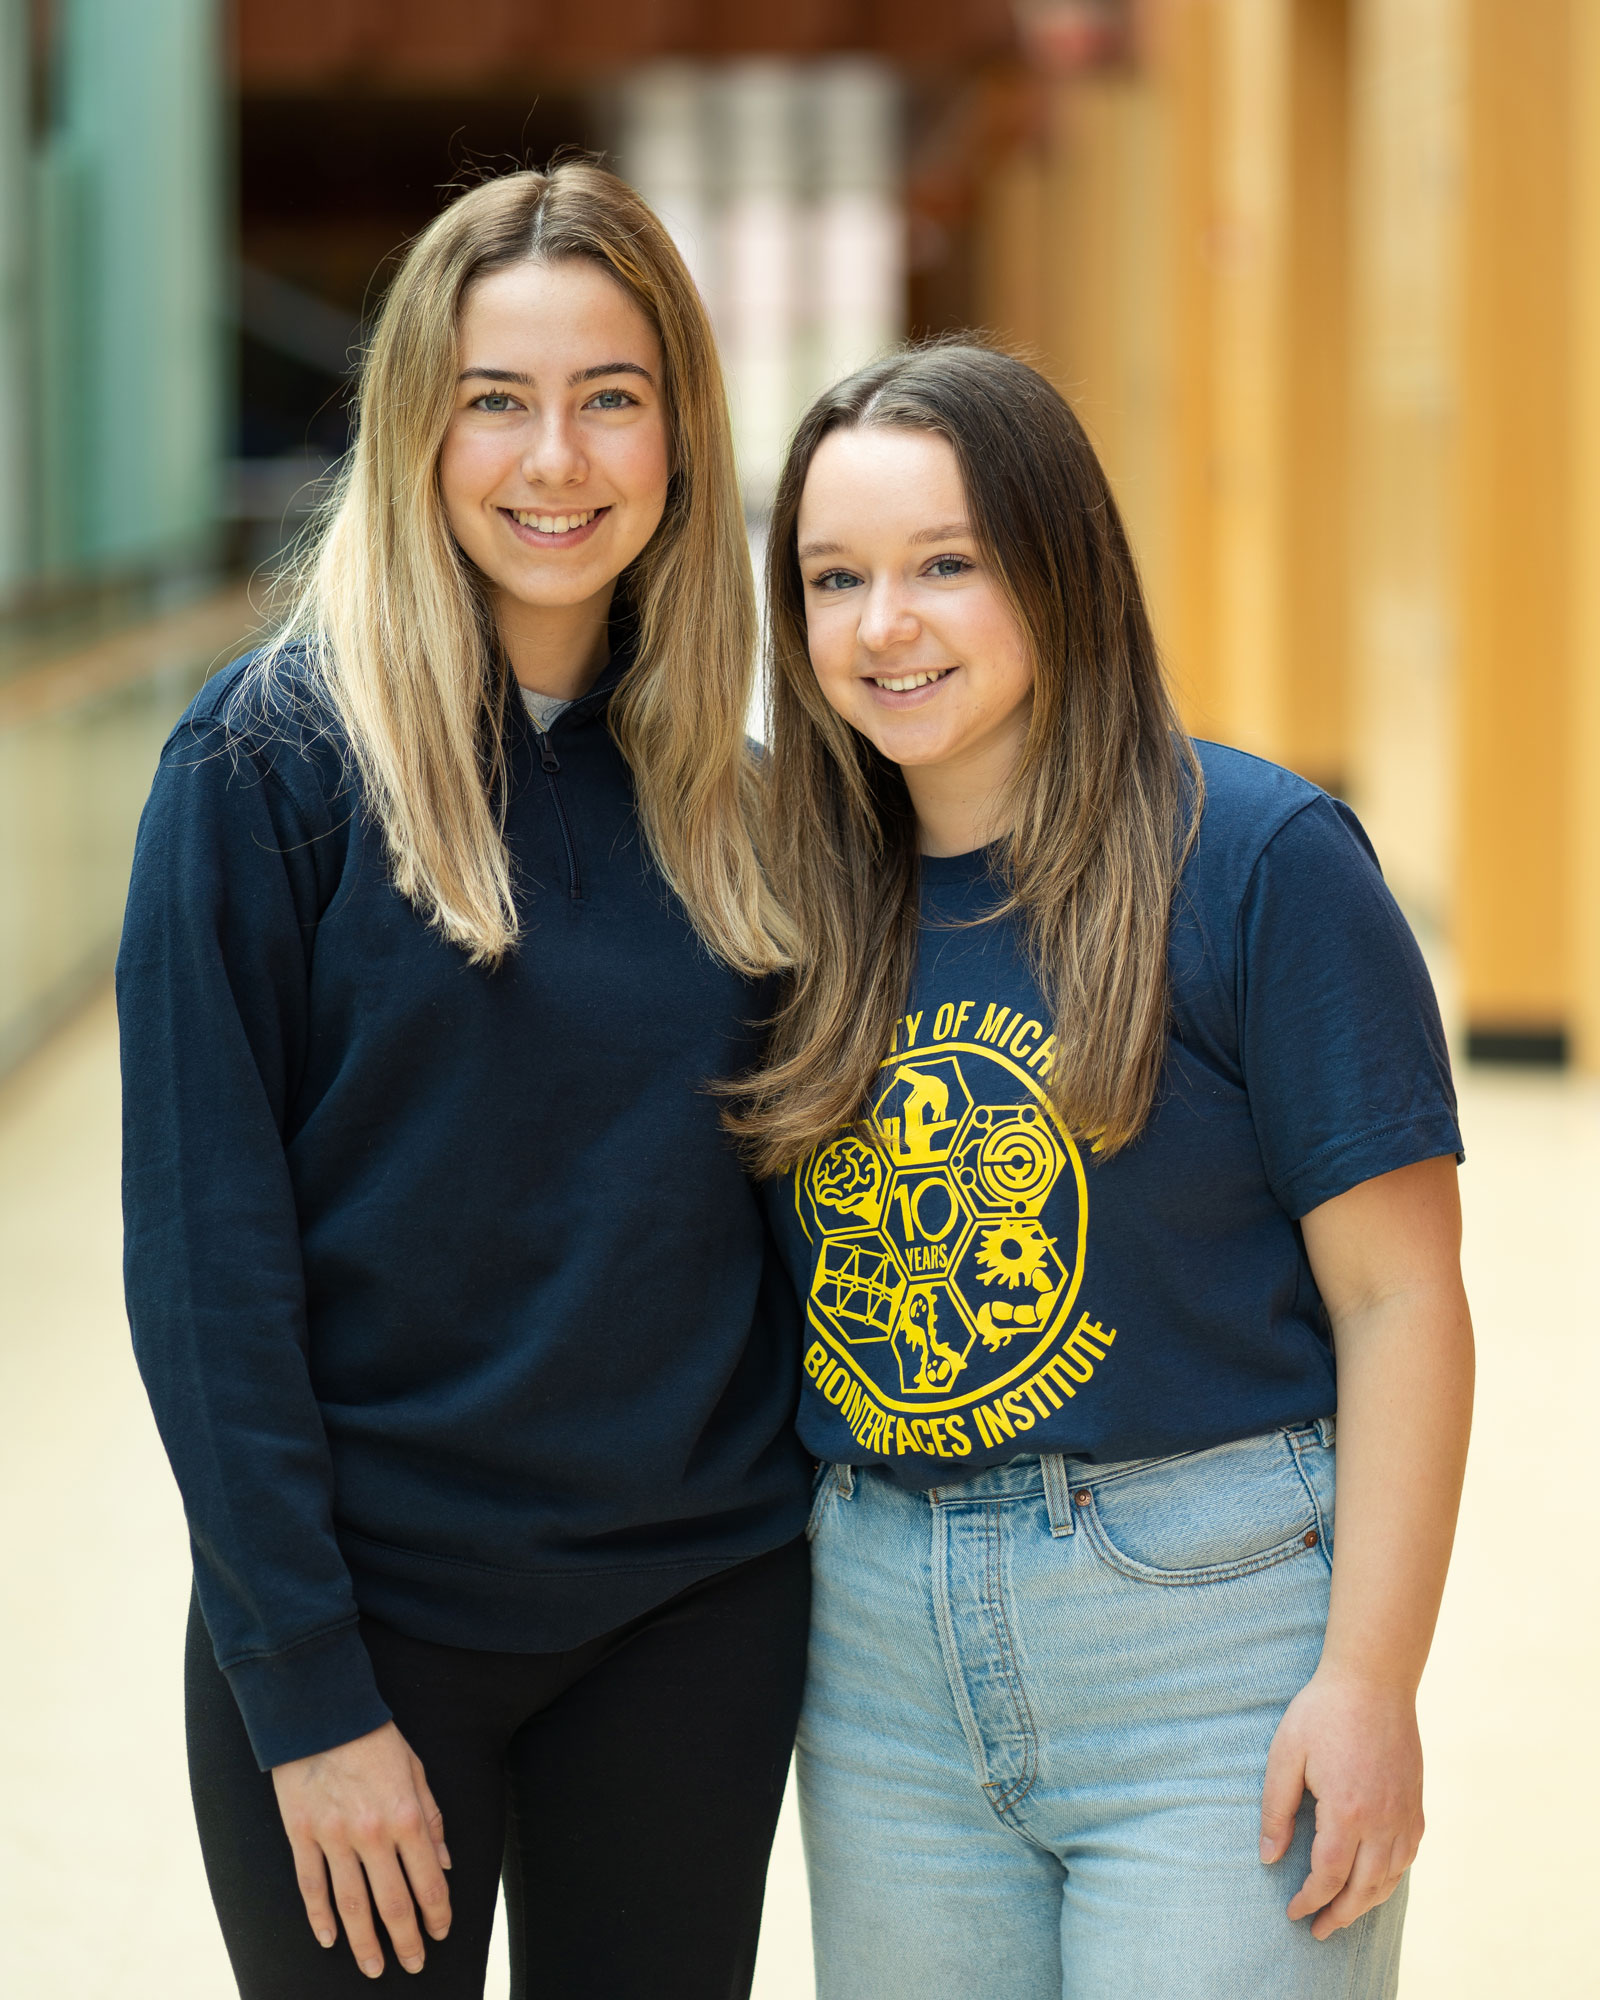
x: 949, y: 1229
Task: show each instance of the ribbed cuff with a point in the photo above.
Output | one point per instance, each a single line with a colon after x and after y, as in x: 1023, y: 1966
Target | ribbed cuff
x: 308, y: 1698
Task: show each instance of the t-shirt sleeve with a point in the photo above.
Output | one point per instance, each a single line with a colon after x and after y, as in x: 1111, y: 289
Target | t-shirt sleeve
x: 1341, y: 1044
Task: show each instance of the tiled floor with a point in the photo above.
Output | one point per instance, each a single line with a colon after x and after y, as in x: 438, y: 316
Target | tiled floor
x: 101, y: 1896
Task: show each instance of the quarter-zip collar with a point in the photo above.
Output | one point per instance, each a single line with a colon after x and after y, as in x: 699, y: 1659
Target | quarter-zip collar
x: 624, y: 637
x: 582, y: 709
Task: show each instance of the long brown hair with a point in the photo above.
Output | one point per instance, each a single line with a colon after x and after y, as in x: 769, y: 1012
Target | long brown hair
x: 1102, y: 807
x: 396, y: 624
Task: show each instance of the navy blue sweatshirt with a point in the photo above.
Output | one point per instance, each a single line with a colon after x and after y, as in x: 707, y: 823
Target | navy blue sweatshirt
x: 451, y: 1299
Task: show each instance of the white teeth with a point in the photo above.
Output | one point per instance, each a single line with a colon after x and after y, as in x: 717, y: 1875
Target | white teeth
x: 908, y: 681
x: 553, y: 524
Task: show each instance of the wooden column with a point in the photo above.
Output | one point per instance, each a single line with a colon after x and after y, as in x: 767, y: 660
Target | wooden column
x: 1583, y: 550
x: 1010, y: 256
x: 1184, y: 36
x: 1250, y: 374
x: 1105, y: 302
x: 1514, y: 876
x: 1316, y: 555
x: 1072, y: 268
x: 1254, y: 98
x: 1406, y: 176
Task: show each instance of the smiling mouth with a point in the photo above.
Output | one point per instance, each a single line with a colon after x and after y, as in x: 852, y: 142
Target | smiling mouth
x: 554, y: 527
x: 904, y: 683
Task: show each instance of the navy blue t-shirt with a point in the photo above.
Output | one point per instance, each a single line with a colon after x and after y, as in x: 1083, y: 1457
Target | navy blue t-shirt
x: 980, y: 1283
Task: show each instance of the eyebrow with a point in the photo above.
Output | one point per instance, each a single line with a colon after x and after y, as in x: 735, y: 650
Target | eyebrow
x: 580, y: 375
x: 951, y: 531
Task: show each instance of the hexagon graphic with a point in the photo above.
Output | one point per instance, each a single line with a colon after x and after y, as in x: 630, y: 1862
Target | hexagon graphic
x: 1009, y: 1159
x: 859, y: 1287
x: 929, y: 1362
x: 926, y: 1219
x: 920, y: 1110
x: 848, y: 1177
x: 1009, y: 1279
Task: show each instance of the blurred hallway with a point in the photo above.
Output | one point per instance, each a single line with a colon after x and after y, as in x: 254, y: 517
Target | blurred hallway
x: 101, y: 1893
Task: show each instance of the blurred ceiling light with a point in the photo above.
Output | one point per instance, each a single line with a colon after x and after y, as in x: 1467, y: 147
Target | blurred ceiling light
x: 1063, y: 36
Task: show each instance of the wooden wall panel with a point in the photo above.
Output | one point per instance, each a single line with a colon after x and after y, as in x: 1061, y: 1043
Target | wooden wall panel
x: 1316, y: 554
x: 1406, y: 193
x: 1186, y: 67
x: 1583, y: 550
x: 1512, y: 803
x: 1250, y: 365
x: 1011, y: 263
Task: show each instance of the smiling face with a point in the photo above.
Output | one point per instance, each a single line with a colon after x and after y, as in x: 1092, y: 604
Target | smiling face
x: 911, y: 637
x: 554, y: 469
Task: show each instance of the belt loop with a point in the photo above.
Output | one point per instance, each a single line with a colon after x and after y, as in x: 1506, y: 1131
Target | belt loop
x: 845, y: 1479
x: 1057, y: 1493
x: 1327, y: 1428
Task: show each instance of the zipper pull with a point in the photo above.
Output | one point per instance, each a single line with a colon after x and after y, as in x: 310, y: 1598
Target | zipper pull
x: 547, y: 757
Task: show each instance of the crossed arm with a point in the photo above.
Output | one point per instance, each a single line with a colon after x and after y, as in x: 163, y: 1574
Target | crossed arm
x: 1386, y: 1257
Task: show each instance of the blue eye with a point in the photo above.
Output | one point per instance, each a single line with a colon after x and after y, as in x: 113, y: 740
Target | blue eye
x: 612, y: 399
x: 496, y: 401
x: 948, y: 566
x: 835, y: 579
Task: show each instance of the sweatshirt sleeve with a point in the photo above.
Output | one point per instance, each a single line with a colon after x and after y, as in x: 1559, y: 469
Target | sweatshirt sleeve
x: 212, y: 982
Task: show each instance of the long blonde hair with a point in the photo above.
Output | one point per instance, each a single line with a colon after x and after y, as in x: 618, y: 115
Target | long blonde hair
x: 1103, y: 805
x: 395, y: 625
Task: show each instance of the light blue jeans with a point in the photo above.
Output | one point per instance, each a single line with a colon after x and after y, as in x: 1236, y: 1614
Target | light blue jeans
x: 1037, y: 1719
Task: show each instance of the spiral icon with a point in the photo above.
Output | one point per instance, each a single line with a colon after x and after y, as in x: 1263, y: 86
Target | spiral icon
x: 1017, y: 1164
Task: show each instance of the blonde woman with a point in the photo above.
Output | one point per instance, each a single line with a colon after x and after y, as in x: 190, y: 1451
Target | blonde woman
x: 1114, y: 1151
x: 457, y: 1313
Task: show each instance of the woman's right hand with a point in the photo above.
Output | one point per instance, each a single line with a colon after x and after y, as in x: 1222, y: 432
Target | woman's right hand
x: 362, y: 1813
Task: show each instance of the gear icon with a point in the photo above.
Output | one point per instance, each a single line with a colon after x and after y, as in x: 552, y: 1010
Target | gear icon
x: 1013, y: 1253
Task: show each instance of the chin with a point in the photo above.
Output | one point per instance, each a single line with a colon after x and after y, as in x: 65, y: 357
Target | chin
x: 552, y: 593
x: 914, y: 753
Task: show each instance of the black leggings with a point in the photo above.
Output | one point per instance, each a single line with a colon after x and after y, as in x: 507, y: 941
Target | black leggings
x: 627, y: 1790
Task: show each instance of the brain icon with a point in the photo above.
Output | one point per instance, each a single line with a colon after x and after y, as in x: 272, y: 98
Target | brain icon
x: 849, y: 1175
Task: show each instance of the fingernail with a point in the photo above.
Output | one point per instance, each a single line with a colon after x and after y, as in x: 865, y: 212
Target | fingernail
x: 1266, y: 1848
x: 440, y: 1934
x: 413, y: 1964
x: 327, y: 1939
x: 372, y: 1967
x: 444, y: 1855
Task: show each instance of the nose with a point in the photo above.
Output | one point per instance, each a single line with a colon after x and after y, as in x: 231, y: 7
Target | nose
x: 554, y: 454
x: 887, y: 619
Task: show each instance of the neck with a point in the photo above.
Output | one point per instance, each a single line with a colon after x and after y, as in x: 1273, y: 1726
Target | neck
x: 959, y: 804
x: 558, y: 650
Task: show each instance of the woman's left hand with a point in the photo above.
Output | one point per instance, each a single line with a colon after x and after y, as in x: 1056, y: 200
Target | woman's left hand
x: 1354, y: 1746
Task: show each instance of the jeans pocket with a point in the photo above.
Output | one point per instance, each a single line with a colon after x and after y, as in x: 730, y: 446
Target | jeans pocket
x: 1205, y: 1516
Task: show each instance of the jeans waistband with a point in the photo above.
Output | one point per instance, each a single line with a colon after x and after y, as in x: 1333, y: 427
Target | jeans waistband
x: 1060, y: 1477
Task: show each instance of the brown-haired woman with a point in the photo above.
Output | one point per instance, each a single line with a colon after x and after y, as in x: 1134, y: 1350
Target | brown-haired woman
x: 1113, y: 1147
x: 458, y: 1315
